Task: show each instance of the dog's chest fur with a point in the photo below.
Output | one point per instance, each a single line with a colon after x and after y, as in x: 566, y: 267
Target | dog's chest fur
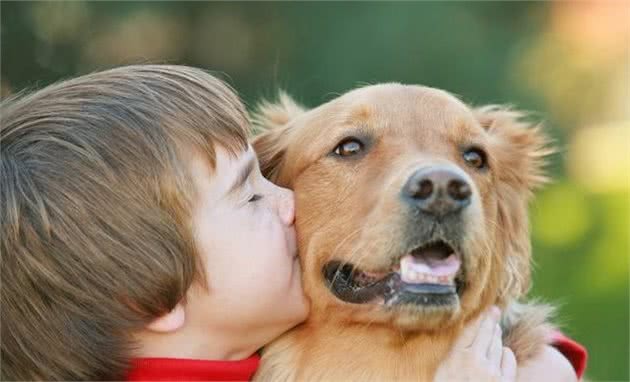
x: 328, y: 352
x: 336, y: 354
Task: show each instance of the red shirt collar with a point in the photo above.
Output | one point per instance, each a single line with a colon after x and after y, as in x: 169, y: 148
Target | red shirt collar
x: 179, y: 369
x: 573, y: 351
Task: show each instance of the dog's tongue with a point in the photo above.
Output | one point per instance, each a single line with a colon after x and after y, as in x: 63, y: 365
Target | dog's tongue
x: 411, y: 265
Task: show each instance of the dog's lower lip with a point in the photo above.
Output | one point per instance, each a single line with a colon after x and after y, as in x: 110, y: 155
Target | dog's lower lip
x: 430, y: 274
x: 389, y: 290
x: 340, y: 280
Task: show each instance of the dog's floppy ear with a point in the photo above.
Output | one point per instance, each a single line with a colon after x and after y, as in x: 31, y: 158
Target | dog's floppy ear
x: 518, y: 154
x: 520, y: 147
x: 272, y: 122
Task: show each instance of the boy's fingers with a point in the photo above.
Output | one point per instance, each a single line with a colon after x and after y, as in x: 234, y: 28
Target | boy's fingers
x: 485, y: 333
x: 508, y: 366
x: 496, y: 347
x: 469, y: 333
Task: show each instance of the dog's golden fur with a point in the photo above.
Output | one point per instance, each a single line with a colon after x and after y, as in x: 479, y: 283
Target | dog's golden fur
x: 347, y: 209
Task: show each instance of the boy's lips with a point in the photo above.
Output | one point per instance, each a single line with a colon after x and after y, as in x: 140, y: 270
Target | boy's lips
x: 292, y: 243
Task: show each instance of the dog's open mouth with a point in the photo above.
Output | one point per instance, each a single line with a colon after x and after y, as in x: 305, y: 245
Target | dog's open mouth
x: 429, y: 275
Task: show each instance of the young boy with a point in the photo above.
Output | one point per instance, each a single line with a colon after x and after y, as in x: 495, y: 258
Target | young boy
x: 140, y: 241
x: 113, y: 231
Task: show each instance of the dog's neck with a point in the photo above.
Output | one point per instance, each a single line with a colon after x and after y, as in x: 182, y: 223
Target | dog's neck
x: 327, y: 350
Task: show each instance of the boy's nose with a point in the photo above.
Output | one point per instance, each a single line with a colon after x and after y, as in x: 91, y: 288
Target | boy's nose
x: 286, y: 207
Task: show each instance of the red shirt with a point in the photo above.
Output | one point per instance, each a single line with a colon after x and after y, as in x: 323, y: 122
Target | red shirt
x: 179, y: 369
x: 575, y: 353
x: 175, y: 369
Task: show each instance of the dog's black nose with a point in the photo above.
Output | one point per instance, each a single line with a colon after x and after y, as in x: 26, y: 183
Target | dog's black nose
x: 437, y: 191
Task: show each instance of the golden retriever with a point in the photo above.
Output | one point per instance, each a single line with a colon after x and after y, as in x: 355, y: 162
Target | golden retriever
x: 411, y: 220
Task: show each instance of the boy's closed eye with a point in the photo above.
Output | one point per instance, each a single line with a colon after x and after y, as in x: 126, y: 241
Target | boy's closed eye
x: 242, y: 183
x: 244, y: 174
x: 255, y: 198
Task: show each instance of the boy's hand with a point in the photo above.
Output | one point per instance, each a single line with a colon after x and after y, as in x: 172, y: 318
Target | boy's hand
x: 479, y: 354
x: 549, y: 365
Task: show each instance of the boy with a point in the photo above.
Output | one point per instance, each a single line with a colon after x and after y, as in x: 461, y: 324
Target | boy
x: 139, y: 239
x: 104, y: 234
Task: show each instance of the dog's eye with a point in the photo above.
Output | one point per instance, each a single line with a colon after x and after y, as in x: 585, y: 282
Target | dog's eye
x: 476, y: 158
x: 348, y: 147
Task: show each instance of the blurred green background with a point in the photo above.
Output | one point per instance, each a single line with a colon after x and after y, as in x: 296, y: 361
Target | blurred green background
x: 568, y: 61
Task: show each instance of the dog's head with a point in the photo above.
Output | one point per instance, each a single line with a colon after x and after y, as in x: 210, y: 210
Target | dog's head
x: 411, y: 206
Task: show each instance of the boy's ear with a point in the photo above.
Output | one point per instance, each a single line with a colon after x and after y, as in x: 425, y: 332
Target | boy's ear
x: 272, y: 124
x: 169, y: 322
x: 518, y: 151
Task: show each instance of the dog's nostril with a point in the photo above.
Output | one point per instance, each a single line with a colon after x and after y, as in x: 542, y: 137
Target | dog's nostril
x: 419, y: 189
x: 459, y: 190
x: 425, y: 189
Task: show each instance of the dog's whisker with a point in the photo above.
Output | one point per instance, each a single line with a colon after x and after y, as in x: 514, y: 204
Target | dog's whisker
x: 339, y: 245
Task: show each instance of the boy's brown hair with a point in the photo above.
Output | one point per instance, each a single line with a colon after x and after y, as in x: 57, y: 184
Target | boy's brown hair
x: 95, y: 231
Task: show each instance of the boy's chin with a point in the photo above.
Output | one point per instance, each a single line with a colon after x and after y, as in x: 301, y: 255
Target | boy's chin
x: 283, y: 321
x: 295, y: 310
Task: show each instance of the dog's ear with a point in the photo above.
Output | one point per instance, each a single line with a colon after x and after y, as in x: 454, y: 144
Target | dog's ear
x: 272, y: 123
x: 519, y: 146
x: 518, y: 150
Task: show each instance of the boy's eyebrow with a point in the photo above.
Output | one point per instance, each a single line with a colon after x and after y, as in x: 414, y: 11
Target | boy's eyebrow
x: 243, y: 174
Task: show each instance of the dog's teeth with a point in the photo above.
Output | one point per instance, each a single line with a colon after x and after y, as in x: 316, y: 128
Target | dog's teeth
x: 420, y: 273
x: 414, y: 277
